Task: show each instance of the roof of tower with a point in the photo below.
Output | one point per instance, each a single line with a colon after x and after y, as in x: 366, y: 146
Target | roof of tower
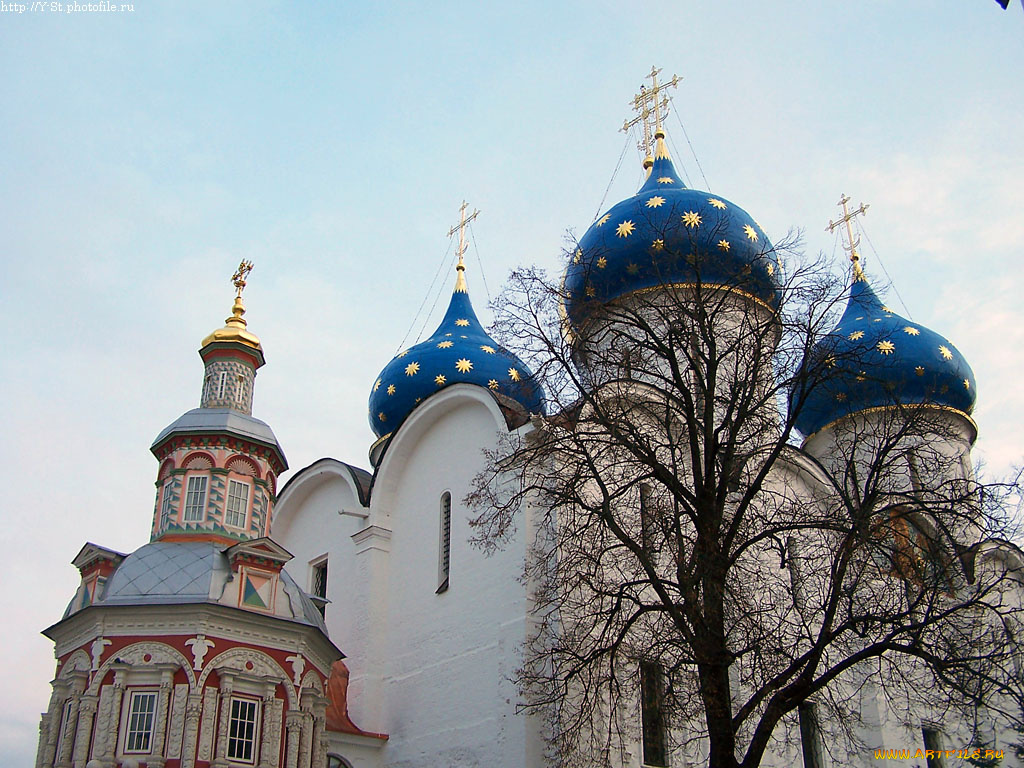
x: 234, y: 330
x: 876, y: 358
x: 668, y: 234
x: 459, y: 352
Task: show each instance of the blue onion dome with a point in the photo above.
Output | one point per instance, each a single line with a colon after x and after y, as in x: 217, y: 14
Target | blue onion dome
x: 458, y: 352
x: 667, y: 234
x: 876, y: 359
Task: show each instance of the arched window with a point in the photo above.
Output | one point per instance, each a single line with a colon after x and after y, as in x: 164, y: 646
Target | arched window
x: 444, y: 554
x: 336, y: 761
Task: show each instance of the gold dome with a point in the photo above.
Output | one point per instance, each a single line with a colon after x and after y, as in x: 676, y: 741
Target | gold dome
x: 234, y: 327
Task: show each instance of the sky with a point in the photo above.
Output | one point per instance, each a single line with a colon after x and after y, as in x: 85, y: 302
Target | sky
x: 147, y: 150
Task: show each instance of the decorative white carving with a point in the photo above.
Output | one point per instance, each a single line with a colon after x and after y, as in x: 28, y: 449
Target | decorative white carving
x: 177, y: 725
x: 199, y: 645
x: 248, y: 661
x: 311, y: 680
x: 77, y: 662
x: 96, y: 649
x: 104, y: 729
x: 135, y: 655
x: 298, y: 664
x: 206, y: 729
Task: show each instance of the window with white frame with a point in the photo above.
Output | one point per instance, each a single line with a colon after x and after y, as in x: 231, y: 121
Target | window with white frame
x: 242, y: 730
x: 166, y: 499
x: 444, y: 555
x: 318, y: 584
x: 138, y: 735
x: 238, y: 504
x: 240, y: 391
x: 195, y: 499
x: 222, y: 384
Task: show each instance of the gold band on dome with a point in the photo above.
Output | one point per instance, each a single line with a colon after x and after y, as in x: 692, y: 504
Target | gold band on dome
x: 881, y: 408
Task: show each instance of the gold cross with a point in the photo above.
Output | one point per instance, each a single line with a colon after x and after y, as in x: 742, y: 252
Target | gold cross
x: 648, y: 102
x: 238, y: 279
x: 461, y: 229
x: 852, y: 241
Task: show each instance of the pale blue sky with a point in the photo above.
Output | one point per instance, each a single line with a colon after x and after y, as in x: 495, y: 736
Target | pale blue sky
x: 146, y: 153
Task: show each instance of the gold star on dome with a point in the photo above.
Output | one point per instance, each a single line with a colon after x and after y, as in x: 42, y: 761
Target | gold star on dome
x: 658, y: 245
x: 603, y: 220
x: 602, y: 263
x: 411, y: 369
x: 440, y: 379
x: 724, y: 245
x: 462, y: 322
x: 665, y: 180
x: 381, y: 416
x: 861, y: 376
x: 376, y: 385
x: 886, y: 347
x: 576, y: 256
x: 487, y: 348
x: 840, y: 396
x: 691, y: 219
x: 463, y: 365
x: 856, y: 335
x: 591, y: 293
x: 513, y: 374
x: 967, y: 384
x: 717, y: 203
x: 403, y: 353
x: 632, y: 268
x: 946, y: 354
x: 492, y: 383
x: 919, y: 370
x: 625, y: 229
x: 655, y: 201
x: 751, y: 234
x: 886, y: 309
x: 444, y: 345
x: 391, y: 389
x: 911, y: 331
x: 830, y: 361
x: 770, y: 268
x: 447, y: 334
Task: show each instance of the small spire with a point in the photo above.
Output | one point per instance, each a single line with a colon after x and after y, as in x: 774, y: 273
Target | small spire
x: 851, y: 241
x: 238, y: 280
x: 460, y: 268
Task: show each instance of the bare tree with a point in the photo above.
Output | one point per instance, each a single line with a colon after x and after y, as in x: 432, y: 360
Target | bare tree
x: 689, y: 560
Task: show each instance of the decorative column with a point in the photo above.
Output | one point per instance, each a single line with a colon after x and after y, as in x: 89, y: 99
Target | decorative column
x: 193, y: 709
x: 319, y: 743
x: 67, y: 743
x: 87, y: 706
x: 306, y: 740
x: 160, y: 721
x: 51, y: 723
x: 270, y: 750
x: 293, y: 724
x: 227, y: 683
x: 108, y: 757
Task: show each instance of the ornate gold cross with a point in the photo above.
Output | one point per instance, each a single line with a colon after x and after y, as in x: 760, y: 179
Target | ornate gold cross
x: 650, y: 102
x: 852, y: 242
x: 238, y: 279
x: 461, y: 229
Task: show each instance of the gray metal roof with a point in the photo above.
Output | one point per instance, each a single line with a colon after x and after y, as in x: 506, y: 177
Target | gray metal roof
x: 221, y: 420
x: 183, y: 572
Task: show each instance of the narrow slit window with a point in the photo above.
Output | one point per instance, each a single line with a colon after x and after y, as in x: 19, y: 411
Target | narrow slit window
x: 933, y: 743
x: 319, y: 584
x: 195, y: 499
x: 165, y: 501
x: 652, y: 714
x: 222, y: 384
x: 240, y: 391
x: 445, y: 544
x: 238, y: 504
x: 646, y: 519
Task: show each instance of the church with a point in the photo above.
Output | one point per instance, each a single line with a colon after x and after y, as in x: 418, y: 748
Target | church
x: 342, y: 619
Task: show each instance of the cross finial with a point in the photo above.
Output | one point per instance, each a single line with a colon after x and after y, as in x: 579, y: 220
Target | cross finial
x: 851, y: 241
x: 460, y: 283
x: 238, y: 279
x: 648, y: 103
